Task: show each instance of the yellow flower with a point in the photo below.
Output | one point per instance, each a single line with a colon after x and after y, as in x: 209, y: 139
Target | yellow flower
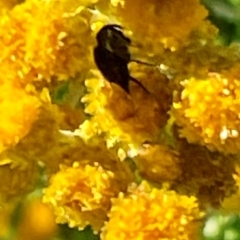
x: 46, y: 129
x: 205, y: 174
x: 207, y: 112
x: 19, y: 109
x: 80, y: 195
x: 130, y: 119
x: 39, y: 41
x: 63, y: 147
x: 195, y: 56
x: 158, y: 163
x: 18, y: 177
x: 152, y: 214
x: 167, y: 22
x: 157, y: 84
x: 42, y: 138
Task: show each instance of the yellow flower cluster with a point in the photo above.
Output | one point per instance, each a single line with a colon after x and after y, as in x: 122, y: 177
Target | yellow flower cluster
x: 207, y: 112
x: 134, y: 120
x: 39, y: 42
x: 95, y: 141
x: 37, y: 50
x: 205, y: 174
x: 44, y: 130
x: 19, y: 109
x: 155, y: 82
x: 34, y: 50
x: 158, y: 163
x: 81, y: 195
x: 18, y: 177
x: 163, y: 16
x: 152, y: 214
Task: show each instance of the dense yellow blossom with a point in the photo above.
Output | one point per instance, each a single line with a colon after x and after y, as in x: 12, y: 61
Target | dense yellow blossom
x: 34, y: 49
x: 17, y: 175
x: 157, y: 84
x: 205, y: 174
x: 195, y: 56
x: 95, y: 142
x: 19, y: 109
x: 42, y: 138
x: 119, y: 116
x: 68, y: 149
x: 152, y: 214
x: 64, y: 148
x: 207, y: 112
x: 45, y: 142
x: 158, y: 163
x: 170, y: 21
x: 81, y: 195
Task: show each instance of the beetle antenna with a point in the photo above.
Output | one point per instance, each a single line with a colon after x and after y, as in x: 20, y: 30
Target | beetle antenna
x: 143, y: 63
x: 139, y: 83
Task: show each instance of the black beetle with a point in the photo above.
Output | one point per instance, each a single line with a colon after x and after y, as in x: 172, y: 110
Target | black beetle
x: 112, y: 56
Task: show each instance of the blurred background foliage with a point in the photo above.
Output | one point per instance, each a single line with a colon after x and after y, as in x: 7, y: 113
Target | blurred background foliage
x: 225, y: 14
x: 32, y: 220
